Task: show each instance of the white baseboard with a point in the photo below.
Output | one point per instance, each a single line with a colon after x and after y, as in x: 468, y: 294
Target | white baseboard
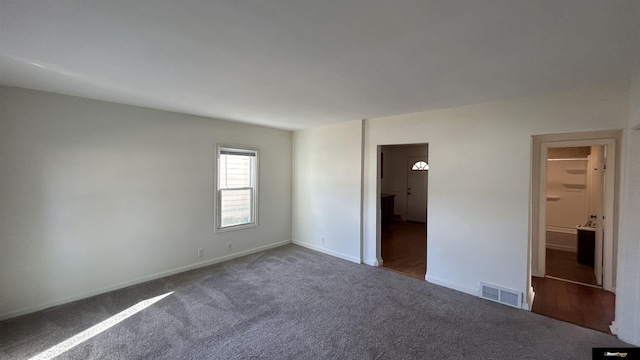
x: 534, y: 272
x: 449, y: 285
x: 613, y: 328
x: 372, y: 262
x: 561, y: 247
x: 562, y: 229
x: 527, y: 304
x: 140, y: 280
x: 327, y: 251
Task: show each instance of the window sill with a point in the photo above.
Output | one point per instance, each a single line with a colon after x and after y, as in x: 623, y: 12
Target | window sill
x: 235, y: 227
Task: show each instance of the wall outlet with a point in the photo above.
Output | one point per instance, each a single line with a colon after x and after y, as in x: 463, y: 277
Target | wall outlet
x: 200, y: 253
x: 322, y: 239
x: 228, y: 246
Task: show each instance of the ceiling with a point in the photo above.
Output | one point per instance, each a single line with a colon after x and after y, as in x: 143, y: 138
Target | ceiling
x: 296, y: 64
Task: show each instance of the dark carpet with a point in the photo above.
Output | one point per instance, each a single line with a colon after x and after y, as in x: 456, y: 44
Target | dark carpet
x: 294, y: 303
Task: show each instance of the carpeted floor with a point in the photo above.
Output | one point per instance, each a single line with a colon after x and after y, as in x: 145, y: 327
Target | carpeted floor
x: 294, y: 303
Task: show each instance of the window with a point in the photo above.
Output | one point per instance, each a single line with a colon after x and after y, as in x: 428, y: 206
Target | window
x: 237, y: 188
x: 420, y: 166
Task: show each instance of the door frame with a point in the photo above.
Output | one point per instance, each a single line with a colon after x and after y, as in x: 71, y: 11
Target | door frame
x: 540, y: 146
x: 607, y: 206
x: 426, y: 185
x: 378, y: 191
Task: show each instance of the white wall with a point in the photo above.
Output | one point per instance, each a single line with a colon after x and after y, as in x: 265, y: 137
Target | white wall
x: 327, y: 189
x: 96, y: 195
x: 628, y: 289
x: 479, y: 175
x: 566, y: 208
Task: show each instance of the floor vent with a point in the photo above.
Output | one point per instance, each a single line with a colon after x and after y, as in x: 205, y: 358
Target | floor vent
x: 501, y: 295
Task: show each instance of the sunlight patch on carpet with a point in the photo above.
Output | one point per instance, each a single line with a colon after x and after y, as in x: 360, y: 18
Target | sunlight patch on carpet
x: 97, y: 329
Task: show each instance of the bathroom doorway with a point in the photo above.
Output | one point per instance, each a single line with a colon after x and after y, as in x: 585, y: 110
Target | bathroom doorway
x: 576, y: 188
x: 403, y: 187
x: 573, y: 235
x: 572, y: 259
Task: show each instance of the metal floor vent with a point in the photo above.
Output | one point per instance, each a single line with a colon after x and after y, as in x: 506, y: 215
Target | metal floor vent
x: 501, y: 295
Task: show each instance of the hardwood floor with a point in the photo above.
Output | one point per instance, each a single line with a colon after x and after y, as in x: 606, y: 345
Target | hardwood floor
x: 404, y: 248
x: 582, y: 305
x: 564, y: 265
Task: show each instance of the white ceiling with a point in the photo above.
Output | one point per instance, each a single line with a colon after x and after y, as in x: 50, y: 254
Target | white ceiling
x: 296, y: 64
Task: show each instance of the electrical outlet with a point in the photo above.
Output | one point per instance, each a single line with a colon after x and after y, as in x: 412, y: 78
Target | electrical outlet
x: 228, y: 246
x: 322, y: 239
x: 200, y: 253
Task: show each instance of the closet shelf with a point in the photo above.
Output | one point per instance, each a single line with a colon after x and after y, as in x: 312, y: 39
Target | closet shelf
x: 575, y: 186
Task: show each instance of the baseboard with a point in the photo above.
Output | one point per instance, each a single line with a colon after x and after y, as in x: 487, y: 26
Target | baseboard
x: 528, y: 302
x: 141, y: 280
x: 372, y: 262
x: 561, y: 229
x: 535, y: 273
x: 449, y: 285
x: 327, y: 251
x: 561, y: 247
x: 613, y: 328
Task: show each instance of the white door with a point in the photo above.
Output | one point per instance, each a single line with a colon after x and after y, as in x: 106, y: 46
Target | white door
x: 599, y: 154
x: 417, y: 171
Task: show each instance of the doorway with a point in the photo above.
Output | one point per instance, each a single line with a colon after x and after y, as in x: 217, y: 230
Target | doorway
x: 572, y: 236
x: 573, y: 177
x: 403, y: 187
x: 574, y: 197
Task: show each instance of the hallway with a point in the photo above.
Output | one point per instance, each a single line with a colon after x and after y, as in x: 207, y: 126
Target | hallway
x: 582, y: 305
x: 404, y: 248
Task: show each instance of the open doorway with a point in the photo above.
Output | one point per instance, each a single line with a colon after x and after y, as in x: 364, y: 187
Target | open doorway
x: 403, y: 184
x: 573, y: 235
x: 573, y: 208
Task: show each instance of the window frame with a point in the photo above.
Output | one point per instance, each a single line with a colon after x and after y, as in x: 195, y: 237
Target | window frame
x: 218, y: 228
x: 416, y: 167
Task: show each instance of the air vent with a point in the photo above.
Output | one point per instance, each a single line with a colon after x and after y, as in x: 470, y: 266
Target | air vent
x: 501, y: 295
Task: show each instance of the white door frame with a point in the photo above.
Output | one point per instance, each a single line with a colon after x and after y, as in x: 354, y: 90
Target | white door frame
x: 608, y: 211
x: 409, y: 162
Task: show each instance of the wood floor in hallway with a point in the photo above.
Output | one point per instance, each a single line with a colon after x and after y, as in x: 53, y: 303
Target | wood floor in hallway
x: 404, y: 248
x: 565, y: 265
x: 582, y: 305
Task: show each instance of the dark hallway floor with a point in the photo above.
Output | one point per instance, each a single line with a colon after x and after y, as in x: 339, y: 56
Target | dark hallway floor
x: 404, y: 248
x: 565, y: 265
x: 582, y: 305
